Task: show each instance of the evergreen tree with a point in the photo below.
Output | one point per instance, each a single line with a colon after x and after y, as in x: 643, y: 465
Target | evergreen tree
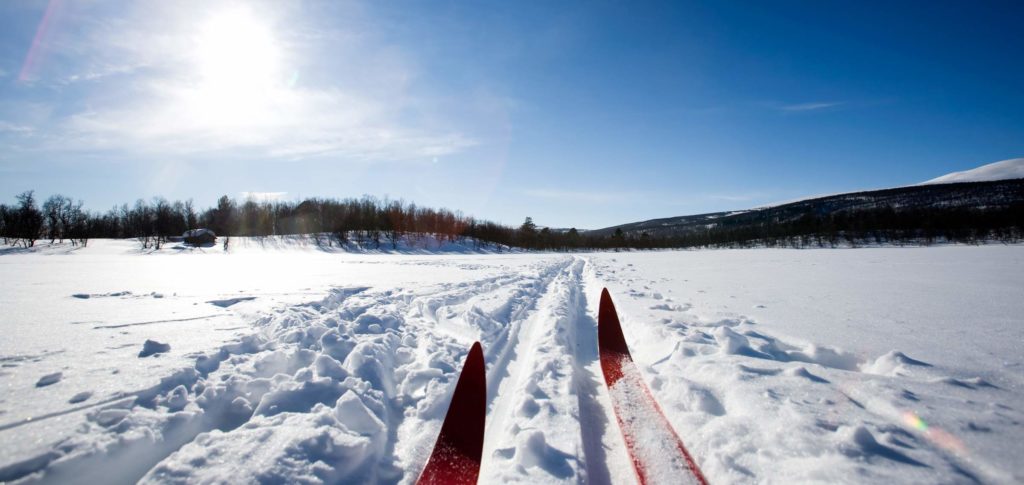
x: 528, y: 233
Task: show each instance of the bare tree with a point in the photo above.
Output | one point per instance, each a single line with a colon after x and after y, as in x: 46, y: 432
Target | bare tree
x: 54, y: 211
x: 29, y: 220
x: 77, y: 225
x: 5, y: 222
x: 140, y: 223
x: 163, y: 214
x: 191, y: 218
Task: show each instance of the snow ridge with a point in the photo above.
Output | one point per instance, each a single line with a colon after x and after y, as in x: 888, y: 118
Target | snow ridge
x: 1003, y: 170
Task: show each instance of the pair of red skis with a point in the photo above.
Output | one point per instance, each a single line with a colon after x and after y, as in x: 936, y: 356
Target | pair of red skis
x: 657, y: 453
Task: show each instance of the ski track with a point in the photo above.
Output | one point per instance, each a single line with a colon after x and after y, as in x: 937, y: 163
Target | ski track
x: 533, y: 432
x: 353, y: 388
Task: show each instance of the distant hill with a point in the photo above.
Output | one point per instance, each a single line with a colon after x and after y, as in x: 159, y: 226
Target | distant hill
x: 933, y: 198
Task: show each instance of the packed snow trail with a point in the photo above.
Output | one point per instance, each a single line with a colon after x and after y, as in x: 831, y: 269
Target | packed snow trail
x: 536, y: 431
x: 772, y: 365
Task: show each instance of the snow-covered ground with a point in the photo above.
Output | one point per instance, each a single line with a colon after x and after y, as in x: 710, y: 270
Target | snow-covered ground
x: 280, y: 362
x: 1004, y: 170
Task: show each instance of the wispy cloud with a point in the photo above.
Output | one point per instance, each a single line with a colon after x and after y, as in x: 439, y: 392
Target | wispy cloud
x: 330, y: 88
x: 811, y: 106
x: 7, y: 126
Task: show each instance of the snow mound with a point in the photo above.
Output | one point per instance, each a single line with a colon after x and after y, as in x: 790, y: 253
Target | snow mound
x: 286, y: 448
x: 1004, y: 170
x: 859, y: 442
x: 893, y: 363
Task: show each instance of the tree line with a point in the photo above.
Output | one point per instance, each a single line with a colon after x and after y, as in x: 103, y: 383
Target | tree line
x: 59, y: 218
x: 154, y: 222
x: 384, y: 222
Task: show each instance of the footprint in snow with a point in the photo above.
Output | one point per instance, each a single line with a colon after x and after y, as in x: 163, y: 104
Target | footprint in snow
x: 152, y: 347
x: 49, y: 379
x: 230, y: 301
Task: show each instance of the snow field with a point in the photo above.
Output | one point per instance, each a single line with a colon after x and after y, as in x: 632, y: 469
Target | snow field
x: 839, y: 366
x: 72, y: 422
x: 716, y: 336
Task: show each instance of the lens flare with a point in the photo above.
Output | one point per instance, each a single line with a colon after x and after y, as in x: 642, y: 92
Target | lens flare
x: 914, y: 421
x: 35, y: 52
x: 909, y: 419
x: 935, y: 435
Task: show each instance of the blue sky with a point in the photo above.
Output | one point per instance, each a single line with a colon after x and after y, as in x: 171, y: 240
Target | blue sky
x: 582, y: 114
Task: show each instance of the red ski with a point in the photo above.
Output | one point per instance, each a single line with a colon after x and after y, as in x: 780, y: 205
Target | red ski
x: 658, y: 454
x: 456, y: 456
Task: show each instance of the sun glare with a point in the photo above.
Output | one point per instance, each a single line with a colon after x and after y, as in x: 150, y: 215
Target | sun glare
x: 237, y: 69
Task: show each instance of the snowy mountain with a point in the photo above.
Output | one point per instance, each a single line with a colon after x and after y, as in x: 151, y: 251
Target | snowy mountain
x: 1004, y: 170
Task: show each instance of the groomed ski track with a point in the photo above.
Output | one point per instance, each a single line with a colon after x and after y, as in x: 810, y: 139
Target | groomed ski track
x: 546, y: 413
x: 352, y: 388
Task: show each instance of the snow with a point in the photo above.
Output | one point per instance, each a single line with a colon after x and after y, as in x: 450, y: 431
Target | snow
x: 783, y: 354
x: 288, y: 362
x: 152, y: 347
x: 1004, y: 170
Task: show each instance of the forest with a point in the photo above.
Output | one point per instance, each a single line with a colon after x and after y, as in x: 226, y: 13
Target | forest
x: 384, y: 223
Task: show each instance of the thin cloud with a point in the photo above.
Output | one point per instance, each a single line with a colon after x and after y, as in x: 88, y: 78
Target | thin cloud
x: 7, y: 126
x: 813, y: 106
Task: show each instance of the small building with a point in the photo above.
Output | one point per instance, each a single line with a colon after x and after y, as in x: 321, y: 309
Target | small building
x: 199, y: 237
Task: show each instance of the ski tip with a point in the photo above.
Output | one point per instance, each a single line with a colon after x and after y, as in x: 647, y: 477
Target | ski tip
x: 609, y: 330
x: 459, y: 448
x: 476, y: 352
x: 606, y: 313
x: 607, y: 307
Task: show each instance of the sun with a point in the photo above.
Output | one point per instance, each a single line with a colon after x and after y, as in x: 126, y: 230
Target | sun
x: 237, y: 69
